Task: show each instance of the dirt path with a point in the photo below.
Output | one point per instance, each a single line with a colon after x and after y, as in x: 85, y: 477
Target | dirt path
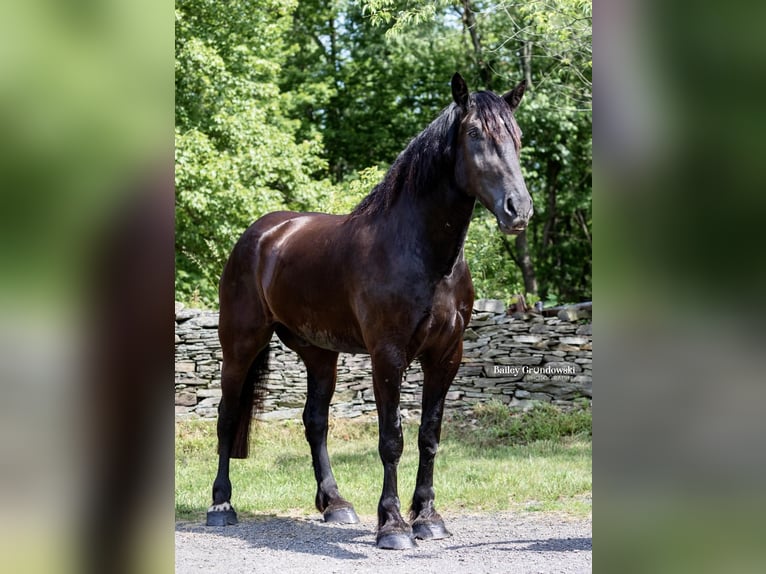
x: 505, y: 542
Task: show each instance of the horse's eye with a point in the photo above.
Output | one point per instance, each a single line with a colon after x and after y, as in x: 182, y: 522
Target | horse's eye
x: 474, y: 133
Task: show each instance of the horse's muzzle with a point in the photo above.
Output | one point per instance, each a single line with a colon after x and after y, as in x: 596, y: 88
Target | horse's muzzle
x: 515, y: 227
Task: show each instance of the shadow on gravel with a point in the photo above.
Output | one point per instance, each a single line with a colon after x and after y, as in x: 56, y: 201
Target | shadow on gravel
x: 291, y: 534
x: 556, y: 545
x: 549, y: 545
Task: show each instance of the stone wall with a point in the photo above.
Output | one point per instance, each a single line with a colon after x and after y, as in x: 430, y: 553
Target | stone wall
x: 517, y: 360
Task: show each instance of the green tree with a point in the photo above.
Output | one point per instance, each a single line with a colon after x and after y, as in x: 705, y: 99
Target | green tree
x: 366, y: 93
x: 237, y: 151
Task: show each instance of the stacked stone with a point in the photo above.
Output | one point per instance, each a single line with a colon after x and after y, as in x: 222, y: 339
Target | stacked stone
x: 198, y: 363
x: 354, y: 396
x: 517, y: 360
x: 522, y: 360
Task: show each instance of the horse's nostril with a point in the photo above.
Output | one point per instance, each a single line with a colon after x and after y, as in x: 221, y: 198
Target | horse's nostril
x: 509, y: 208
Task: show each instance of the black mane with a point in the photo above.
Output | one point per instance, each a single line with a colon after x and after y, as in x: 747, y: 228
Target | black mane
x: 431, y: 154
x: 424, y: 158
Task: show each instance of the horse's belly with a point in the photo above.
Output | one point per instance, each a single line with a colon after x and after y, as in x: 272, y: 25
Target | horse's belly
x: 342, y: 342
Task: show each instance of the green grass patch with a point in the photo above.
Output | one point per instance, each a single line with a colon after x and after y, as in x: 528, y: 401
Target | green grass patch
x: 486, y: 463
x: 495, y: 424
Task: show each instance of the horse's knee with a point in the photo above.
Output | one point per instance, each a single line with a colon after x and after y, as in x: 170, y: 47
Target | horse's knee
x: 391, y: 448
x: 428, y: 443
x: 429, y: 449
x: 315, y: 422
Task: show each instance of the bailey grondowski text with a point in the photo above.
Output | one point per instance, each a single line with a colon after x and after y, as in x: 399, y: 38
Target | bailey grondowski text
x: 515, y: 370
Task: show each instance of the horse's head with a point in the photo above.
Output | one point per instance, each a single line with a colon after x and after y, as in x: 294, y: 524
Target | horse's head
x: 487, y: 163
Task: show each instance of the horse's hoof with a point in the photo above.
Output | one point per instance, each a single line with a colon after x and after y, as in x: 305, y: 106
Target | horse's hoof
x: 341, y: 515
x: 395, y: 541
x: 221, y: 515
x: 430, y: 530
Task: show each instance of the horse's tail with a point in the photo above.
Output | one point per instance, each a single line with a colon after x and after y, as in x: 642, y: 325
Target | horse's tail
x: 251, y: 400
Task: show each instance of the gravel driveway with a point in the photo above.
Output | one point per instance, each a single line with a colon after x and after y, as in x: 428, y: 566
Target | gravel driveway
x: 505, y: 542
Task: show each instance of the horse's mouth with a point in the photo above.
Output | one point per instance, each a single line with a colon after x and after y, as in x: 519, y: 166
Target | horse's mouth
x: 511, y: 229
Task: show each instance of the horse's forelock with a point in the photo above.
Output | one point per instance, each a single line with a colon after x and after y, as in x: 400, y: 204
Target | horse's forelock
x: 496, y: 117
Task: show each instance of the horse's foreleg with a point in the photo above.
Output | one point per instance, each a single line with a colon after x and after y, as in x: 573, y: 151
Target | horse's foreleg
x: 321, y: 369
x: 438, y: 373
x: 393, y: 531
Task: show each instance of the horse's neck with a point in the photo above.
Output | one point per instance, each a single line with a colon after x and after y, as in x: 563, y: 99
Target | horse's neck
x: 434, y: 225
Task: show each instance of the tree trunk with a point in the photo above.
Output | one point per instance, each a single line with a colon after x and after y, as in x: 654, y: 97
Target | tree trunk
x: 333, y: 113
x: 526, y: 62
x: 554, y: 168
x: 469, y: 22
x: 525, y: 263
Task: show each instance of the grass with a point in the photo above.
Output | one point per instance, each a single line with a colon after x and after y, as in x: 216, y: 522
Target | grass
x: 496, y: 425
x: 534, y: 461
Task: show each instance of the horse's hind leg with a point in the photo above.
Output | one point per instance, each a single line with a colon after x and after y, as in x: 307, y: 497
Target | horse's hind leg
x: 438, y: 372
x: 243, y: 364
x: 321, y: 369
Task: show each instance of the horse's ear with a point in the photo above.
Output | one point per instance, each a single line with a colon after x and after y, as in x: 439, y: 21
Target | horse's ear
x: 513, y: 97
x: 460, y: 91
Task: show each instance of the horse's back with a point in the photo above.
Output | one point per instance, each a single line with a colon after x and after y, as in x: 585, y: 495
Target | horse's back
x: 268, y: 236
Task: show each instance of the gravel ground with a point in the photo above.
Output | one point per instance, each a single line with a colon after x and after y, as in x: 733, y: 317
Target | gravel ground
x: 504, y: 542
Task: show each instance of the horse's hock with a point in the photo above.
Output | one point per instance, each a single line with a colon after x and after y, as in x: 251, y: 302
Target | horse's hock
x: 516, y: 360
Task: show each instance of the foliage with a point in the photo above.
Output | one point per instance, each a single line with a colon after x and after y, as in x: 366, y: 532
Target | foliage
x: 366, y: 94
x: 303, y: 105
x: 237, y: 156
x: 494, y: 274
x: 352, y: 190
x: 559, y: 29
x: 557, y: 157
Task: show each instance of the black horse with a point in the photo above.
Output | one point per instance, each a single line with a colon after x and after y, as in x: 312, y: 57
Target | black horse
x: 389, y: 279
